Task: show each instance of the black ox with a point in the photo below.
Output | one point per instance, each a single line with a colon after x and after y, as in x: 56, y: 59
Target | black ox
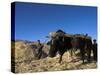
x: 61, y: 44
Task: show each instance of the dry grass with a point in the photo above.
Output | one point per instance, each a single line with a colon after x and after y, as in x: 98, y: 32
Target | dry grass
x: 25, y: 62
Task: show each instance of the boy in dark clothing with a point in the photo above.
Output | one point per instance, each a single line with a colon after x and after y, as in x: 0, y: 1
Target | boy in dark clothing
x: 39, y: 50
x: 95, y: 50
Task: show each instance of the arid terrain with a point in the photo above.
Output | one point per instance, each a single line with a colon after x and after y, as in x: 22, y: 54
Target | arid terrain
x: 25, y: 61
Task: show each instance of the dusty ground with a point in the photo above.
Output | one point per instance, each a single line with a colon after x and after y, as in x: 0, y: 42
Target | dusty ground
x: 25, y: 62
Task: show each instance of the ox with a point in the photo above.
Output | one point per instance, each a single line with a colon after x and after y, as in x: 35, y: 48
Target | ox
x: 61, y: 43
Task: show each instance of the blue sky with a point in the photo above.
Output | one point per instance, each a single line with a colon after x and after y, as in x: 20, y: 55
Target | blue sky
x: 34, y: 21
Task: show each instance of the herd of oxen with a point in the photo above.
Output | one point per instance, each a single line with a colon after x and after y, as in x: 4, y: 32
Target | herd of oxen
x: 60, y: 42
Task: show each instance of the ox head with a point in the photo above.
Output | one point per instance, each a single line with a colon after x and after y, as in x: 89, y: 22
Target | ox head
x: 53, y: 48
x: 54, y: 44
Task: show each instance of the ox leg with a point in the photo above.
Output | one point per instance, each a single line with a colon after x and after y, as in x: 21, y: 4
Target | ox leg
x: 82, y: 54
x: 60, y: 58
x: 71, y: 52
x: 75, y: 51
x: 89, y: 55
x: 61, y: 54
